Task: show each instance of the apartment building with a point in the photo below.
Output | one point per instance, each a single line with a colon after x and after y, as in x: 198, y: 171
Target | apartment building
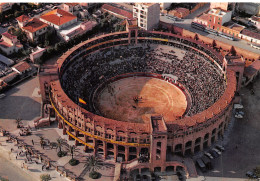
x: 34, y: 28
x: 147, y: 14
x: 217, y: 17
x: 9, y: 43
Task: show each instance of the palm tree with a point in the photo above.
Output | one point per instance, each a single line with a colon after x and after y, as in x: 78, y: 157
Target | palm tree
x: 18, y: 122
x: 60, y: 143
x: 71, y: 150
x: 93, y: 164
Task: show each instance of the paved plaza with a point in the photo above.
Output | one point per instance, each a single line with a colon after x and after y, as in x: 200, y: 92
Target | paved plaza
x: 24, y: 102
x: 241, y: 143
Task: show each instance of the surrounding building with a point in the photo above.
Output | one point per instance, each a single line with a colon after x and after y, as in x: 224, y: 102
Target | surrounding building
x: 78, y: 28
x: 164, y: 6
x: 72, y: 8
x: 22, y: 67
x: 249, y: 8
x: 34, y: 28
x: 217, y: 17
x: 75, y: 9
x: 147, y: 14
x: 6, y: 61
x: 256, y: 21
x: 219, y: 5
x: 250, y: 36
x: 117, y: 11
x: 5, y: 7
x: 180, y: 12
x: 202, y: 19
x: 232, y: 29
x: 58, y: 19
x: 9, y: 43
x: 36, y: 54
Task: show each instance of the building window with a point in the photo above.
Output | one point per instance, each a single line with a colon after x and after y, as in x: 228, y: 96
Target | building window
x: 218, y: 22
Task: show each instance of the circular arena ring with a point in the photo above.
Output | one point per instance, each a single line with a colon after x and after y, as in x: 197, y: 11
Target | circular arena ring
x: 145, y: 93
x: 138, y: 96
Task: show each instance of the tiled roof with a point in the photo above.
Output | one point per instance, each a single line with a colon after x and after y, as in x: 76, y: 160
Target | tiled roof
x: 58, y: 17
x: 72, y: 4
x: 255, y: 18
x: 118, y: 11
x: 4, y: 44
x: 8, y: 35
x: 250, y: 34
x: 34, y: 25
x: 182, y: 10
x: 22, y: 18
x: 22, y: 66
x: 204, y: 17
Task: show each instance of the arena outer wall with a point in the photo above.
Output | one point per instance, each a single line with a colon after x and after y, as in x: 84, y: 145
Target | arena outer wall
x: 114, y: 139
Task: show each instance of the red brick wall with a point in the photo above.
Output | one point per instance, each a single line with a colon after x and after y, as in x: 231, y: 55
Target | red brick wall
x: 214, y: 22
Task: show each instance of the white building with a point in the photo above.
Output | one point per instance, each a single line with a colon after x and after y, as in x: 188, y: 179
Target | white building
x: 250, y: 36
x: 34, y: 28
x: 59, y: 19
x: 256, y: 21
x: 75, y: 9
x: 76, y: 29
x: 36, y: 54
x: 147, y: 14
x: 9, y: 43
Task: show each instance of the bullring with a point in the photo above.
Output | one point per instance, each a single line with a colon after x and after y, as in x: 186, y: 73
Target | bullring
x: 170, y: 58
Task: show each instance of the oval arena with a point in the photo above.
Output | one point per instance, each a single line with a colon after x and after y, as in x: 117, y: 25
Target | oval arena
x: 150, y: 96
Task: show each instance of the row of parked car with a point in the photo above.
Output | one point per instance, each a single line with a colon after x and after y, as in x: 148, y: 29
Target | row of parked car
x: 145, y: 177
x: 204, y: 162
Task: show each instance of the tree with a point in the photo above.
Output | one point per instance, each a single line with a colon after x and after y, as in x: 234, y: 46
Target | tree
x: 60, y: 143
x: 11, y: 30
x: 45, y: 177
x: 71, y: 150
x: 23, y: 8
x: 18, y: 122
x: 17, y: 13
x: 93, y: 164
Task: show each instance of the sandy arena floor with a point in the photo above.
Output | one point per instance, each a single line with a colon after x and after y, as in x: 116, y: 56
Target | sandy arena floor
x: 155, y: 97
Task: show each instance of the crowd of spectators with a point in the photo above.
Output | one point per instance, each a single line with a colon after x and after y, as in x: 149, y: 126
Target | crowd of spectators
x: 196, y: 72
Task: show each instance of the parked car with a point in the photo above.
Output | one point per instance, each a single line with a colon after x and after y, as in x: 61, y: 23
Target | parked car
x: 221, y: 148
x: 2, y: 96
x: 207, y: 162
x: 144, y: 178
x: 153, y: 176
x: 251, y: 175
x: 208, y: 155
x: 201, y: 165
x: 216, y: 150
x: 238, y: 116
x: 214, y: 154
x: 138, y: 177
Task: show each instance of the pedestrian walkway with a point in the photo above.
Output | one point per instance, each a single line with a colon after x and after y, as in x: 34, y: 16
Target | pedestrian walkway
x: 33, y: 168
